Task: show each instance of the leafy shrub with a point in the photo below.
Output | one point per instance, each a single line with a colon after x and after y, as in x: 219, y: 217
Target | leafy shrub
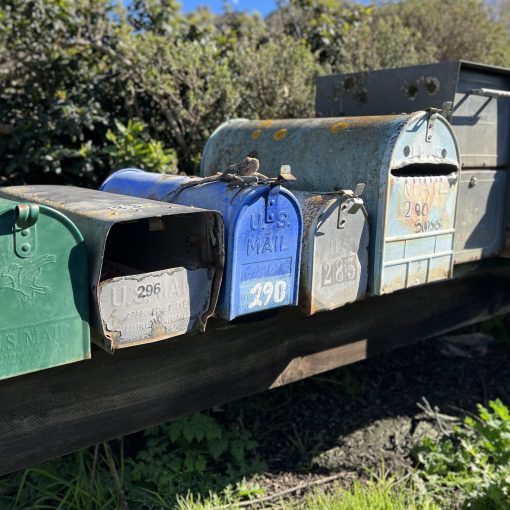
x: 194, y: 453
x: 73, y: 71
x: 474, y: 463
x: 130, y: 148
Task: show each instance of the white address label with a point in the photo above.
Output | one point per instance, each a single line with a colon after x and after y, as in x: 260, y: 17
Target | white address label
x: 154, y: 305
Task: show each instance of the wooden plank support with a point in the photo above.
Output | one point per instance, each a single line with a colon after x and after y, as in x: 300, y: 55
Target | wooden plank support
x: 53, y: 412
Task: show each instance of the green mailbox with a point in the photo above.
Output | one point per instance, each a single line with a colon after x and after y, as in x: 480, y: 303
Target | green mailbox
x: 43, y: 290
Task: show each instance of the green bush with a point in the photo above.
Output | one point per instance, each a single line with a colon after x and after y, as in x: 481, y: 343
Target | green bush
x: 130, y: 148
x: 73, y: 71
x: 473, y: 465
x: 194, y: 453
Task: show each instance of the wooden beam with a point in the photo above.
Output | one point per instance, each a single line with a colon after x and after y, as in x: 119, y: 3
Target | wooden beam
x: 56, y: 411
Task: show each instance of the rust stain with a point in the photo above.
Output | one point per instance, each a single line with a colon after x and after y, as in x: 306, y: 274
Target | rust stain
x: 265, y: 123
x: 338, y: 126
x: 256, y: 134
x: 280, y: 134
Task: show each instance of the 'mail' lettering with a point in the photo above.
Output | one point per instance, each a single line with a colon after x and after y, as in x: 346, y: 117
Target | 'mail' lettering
x: 267, y: 244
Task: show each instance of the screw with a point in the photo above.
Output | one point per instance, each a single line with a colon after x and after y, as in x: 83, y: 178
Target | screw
x: 25, y: 232
x: 407, y: 151
x: 271, y: 217
x: 25, y: 247
x: 271, y: 202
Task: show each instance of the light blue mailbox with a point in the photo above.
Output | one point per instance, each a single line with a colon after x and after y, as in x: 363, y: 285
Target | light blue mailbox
x: 263, y: 232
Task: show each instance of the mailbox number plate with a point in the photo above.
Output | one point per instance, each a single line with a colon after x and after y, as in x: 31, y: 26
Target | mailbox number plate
x: 154, y: 305
x: 266, y: 285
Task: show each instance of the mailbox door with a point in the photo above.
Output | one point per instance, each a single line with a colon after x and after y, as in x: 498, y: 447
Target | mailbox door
x: 482, y: 123
x: 419, y: 214
x: 264, y: 250
x: 340, y: 256
x: 479, y: 228
x: 141, y: 308
x: 43, y: 291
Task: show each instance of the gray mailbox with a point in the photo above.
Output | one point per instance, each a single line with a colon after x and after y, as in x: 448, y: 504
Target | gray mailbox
x: 476, y: 97
x: 334, y: 261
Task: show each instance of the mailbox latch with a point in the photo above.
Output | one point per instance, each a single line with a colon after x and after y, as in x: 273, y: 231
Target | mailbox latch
x: 431, y: 120
x: 26, y: 216
x: 352, y: 203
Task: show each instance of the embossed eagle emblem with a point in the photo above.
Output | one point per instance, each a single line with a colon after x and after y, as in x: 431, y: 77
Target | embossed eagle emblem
x: 23, y: 278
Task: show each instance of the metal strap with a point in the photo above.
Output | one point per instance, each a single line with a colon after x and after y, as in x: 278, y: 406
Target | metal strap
x: 495, y: 93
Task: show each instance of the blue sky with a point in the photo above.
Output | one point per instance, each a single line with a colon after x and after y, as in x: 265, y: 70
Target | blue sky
x: 217, y: 6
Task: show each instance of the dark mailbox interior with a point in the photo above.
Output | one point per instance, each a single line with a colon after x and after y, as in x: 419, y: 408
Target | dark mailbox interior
x: 154, y: 244
x: 424, y: 170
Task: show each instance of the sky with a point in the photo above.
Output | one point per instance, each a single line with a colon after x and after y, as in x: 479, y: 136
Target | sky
x: 217, y: 6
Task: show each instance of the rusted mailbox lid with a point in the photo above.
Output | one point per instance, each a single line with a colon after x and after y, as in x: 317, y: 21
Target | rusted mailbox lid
x: 155, y: 268
x: 263, y: 227
x: 43, y: 290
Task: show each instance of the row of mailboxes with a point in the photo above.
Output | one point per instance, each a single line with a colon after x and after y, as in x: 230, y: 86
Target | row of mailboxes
x: 476, y: 99
x: 153, y: 269
x: 409, y: 164
x: 166, y: 252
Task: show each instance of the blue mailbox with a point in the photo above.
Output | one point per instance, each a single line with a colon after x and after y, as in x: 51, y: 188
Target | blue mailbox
x: 263, y: 232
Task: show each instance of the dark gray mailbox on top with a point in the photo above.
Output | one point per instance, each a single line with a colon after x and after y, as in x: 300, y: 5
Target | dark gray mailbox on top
x: 478, y: 99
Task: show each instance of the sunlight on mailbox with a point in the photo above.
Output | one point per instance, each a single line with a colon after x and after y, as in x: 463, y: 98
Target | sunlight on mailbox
x: 263, y: 227
x: 409, y: 164
x: 43, y: 290
x: 155, y: 268
x: 334, y: 262
x: 476, y: 98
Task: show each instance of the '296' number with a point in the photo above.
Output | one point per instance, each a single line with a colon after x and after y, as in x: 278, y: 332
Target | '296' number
x: 263, y: 293
x: 148, y: 290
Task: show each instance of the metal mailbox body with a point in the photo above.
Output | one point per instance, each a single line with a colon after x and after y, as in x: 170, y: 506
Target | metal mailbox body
x: 480, y: 116
x: 155, y: 268
x: 334, y: 260
x: 43, y: 290
x: 409, y: 164
x: 263, y: 231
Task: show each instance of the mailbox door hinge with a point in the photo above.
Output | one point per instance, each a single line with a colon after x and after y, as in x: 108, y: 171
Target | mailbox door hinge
x: 272, y: 203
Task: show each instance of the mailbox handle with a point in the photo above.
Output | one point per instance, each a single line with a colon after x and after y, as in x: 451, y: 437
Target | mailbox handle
x: 498, y: 94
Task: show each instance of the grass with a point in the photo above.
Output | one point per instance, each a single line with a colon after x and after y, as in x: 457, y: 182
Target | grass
x: 379, y: 493
x: 207, y: 460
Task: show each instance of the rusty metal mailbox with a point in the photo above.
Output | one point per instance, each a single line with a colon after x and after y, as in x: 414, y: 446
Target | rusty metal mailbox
x: 334, y: 261
x: 263, y: 227
x: 43, y: 290
x: 155, y: 268
x: 476, y: 98
x: 409, y: 164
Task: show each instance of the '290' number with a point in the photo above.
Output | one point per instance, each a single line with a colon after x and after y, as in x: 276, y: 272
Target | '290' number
x: 263, y: 293
x: 148, y: 290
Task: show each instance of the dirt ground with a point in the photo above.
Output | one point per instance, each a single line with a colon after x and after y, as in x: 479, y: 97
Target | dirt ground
x: 349, y: 421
